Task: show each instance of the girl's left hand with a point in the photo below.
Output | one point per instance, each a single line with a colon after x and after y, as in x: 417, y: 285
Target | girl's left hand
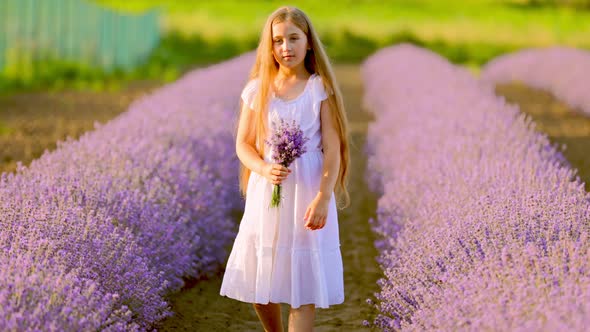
x: 317, y: 213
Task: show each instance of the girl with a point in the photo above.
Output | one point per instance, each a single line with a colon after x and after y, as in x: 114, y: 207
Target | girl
x: 290, y: 254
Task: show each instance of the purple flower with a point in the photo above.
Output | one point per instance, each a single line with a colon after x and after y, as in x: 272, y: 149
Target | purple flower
x: 484, y: 224
x: 96, y: 233
x: 287, y: 143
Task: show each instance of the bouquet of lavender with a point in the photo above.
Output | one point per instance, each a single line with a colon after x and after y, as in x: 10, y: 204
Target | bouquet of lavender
x: 287, y: 143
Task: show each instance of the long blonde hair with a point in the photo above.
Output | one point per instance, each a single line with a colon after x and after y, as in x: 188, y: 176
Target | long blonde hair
x: 316, y: 61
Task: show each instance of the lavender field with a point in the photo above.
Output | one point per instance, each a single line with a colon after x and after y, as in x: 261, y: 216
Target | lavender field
x: 485, y: 225
x: 97, y: 232
x: 481, y: 222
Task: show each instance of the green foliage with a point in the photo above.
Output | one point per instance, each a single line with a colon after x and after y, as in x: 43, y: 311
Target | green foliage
x: 578, y: 4
x: 177, y: 54
x: 199, y: 33
x: 492, y: 21
x: 183, y: 52
x: 4, y: 130
x: 57, y: 74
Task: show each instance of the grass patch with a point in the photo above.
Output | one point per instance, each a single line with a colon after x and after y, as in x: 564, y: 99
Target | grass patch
x: 198, y: 33
x: 455, y: 21
x: 5, y: 130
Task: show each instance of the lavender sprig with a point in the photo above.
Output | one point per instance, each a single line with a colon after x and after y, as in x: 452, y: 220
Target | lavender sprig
x: 287, y: 143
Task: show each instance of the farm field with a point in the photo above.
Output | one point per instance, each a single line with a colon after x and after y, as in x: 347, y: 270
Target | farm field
x: 198, y: 304
x: 469, y: 122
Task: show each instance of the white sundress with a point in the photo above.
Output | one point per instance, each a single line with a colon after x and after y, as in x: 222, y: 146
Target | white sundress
x: 275, y: 258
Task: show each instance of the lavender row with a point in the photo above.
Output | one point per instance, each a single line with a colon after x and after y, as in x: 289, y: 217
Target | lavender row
x: 562, y: 71
x: 483, y: 223
x: 96, y: 233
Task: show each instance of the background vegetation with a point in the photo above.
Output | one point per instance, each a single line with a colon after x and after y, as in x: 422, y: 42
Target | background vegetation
x: 197, y: 33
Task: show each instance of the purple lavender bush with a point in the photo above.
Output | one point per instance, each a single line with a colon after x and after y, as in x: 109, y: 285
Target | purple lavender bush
x: 286, y: 143
x: 483, y: 223
x: 96, y: 233
x: 560, y: 70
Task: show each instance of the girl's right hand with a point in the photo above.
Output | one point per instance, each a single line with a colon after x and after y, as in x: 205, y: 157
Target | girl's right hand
x: 275, y: 173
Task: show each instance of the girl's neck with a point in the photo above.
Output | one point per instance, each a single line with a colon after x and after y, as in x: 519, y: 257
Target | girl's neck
x: 292, y: 73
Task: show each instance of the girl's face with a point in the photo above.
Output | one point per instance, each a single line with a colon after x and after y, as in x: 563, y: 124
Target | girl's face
x: 289, y: 44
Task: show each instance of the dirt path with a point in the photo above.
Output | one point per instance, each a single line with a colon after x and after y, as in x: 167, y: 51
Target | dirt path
x: 34, y: 121
x: 199, y: 307
x: 560, y: 122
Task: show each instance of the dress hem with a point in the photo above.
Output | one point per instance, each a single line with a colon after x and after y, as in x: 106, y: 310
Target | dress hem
x: 243, y: 299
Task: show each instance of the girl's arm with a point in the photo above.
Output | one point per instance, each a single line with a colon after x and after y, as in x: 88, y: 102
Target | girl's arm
x: 245, y: 141
x: 331, y: 146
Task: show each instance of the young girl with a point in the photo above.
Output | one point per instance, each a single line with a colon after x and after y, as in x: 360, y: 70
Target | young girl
x: 291, y: 253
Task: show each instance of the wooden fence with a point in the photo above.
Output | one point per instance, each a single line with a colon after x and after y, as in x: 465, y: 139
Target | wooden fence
x: 76, y: 31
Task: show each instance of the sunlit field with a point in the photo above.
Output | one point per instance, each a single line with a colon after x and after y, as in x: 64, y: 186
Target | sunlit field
x: 469, y: 133
x: 496, y: 22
